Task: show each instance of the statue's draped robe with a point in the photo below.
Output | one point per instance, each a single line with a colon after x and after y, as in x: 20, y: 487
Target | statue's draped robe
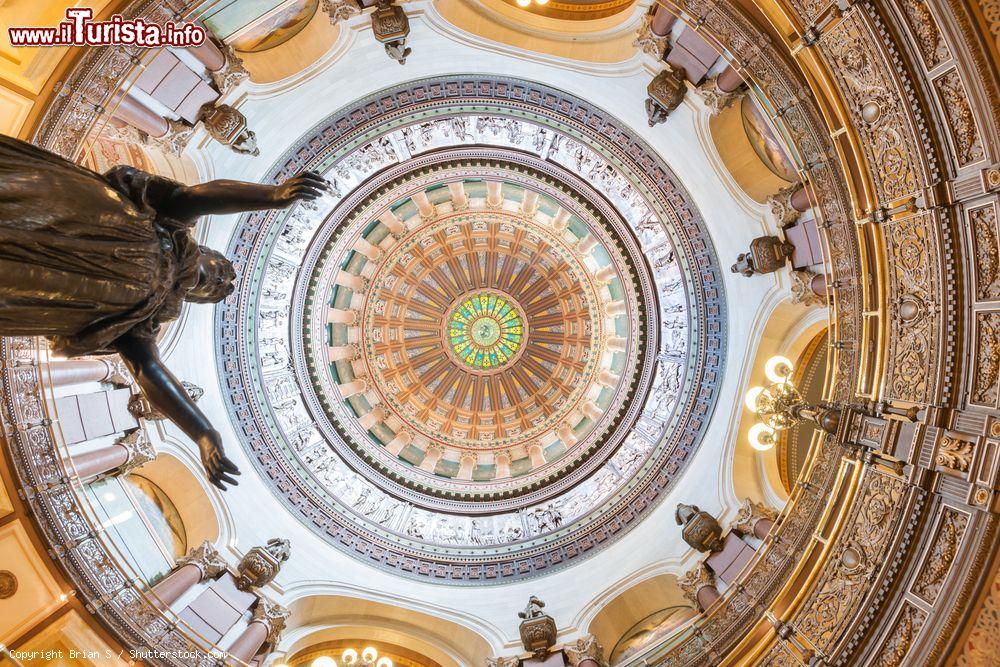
x: 85, y: 258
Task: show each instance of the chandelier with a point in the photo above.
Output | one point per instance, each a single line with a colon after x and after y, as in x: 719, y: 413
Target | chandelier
x: 367, y: 657
x: 779, y: 406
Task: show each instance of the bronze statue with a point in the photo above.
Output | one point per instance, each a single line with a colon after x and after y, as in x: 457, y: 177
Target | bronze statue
x: 98, y: 263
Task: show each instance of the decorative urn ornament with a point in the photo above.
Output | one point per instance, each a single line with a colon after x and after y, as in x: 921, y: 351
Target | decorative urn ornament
x: 391, y: 27
x: 767, y: 255
x: 538, y: 629
x: 261, y: 565
x: 666, y: 92
x: 701, y: 530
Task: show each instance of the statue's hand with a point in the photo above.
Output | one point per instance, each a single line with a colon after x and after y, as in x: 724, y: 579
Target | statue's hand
x: 219, y: 468
x: 305, y: 186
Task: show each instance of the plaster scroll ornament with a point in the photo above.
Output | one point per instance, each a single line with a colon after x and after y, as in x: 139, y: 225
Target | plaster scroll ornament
x: 802, y: 289
x: 648, y: 41
x: 232, y: 73
x: 585, y: 648
x: 781, y: 207
x: 695, y: 580
x: 955, y: 454
x: 503, y: 661
x: 750, y: 513
x: 716, y: 99
x: 340, y: 10
x: 51, y: 268
x: 205, y: 558
x: 140, y: 450
x: 273, y: 616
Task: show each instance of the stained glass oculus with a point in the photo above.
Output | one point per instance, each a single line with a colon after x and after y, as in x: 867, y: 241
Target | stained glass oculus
x: 485, y: 331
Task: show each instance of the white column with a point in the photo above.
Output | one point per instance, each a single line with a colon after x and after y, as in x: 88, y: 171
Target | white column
x: 343, y: 353
x: 431, y: 458
x: 616, y: 344
x: 338, y: 316
x: 537, y: 455
x: 605, y: 274
x: 615, y: 308
x: 376, y: 416
x: 466, y: 464
x: 370, y: 251
x: 607, y: 378
x: 424, y: 205
x: 394, y: 224
x: 591, y: 410
x: 349, y: 280
x: 502, y: 461
x: 565, y: 433
x: 530, y: 203
x: 587, y: 243
x: 494, y: 195
x: 458, y: 196
x: 560, y: 219
x: 354, y: 387
x: 399, y: 443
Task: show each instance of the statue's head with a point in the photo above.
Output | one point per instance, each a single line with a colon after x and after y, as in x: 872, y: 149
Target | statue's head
x: 215, y: 278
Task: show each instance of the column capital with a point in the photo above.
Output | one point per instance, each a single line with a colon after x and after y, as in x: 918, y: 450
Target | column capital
x: 648, y: 41
x: 695, y: 580
x: 340, y: 10
x: 140, y: 450
x: 585, y: 648
x: 750, y: 513
x: 503, y: 661
x: 273, y: 616
x: 206, y: 559
x: 232, y: 73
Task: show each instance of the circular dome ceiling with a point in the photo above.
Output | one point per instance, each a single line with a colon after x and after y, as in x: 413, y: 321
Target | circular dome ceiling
x: 505, y: 322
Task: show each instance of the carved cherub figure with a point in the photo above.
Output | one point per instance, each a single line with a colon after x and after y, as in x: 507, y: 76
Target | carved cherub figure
x: 533, y: 609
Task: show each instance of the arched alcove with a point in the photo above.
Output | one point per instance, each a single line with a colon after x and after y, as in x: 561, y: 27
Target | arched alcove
x: 188, y: 495
x: 608, y: 39
x: 317, y: 619
x: 749, y: 149
x: 640, y: 616
x: 294, y: 54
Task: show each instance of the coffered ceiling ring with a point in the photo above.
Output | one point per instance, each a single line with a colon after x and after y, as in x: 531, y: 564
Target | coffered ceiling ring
x: 632, y: 371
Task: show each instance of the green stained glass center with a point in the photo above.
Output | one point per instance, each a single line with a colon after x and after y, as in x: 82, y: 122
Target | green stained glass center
x: 485, y: 331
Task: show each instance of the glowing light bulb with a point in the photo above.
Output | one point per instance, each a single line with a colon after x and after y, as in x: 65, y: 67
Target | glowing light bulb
x: 384, y: 662
x: 349, y: 657
x: 751, y: 398
x: 323, y: 661
x: 778, y: 368
x: 523, y: 3
x: 541, y: 2
x: 369, y: 654
x: 762, y: 437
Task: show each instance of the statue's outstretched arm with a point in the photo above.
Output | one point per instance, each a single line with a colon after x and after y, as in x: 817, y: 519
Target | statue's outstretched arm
x: 223, y: 196
x: 167, y: 394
